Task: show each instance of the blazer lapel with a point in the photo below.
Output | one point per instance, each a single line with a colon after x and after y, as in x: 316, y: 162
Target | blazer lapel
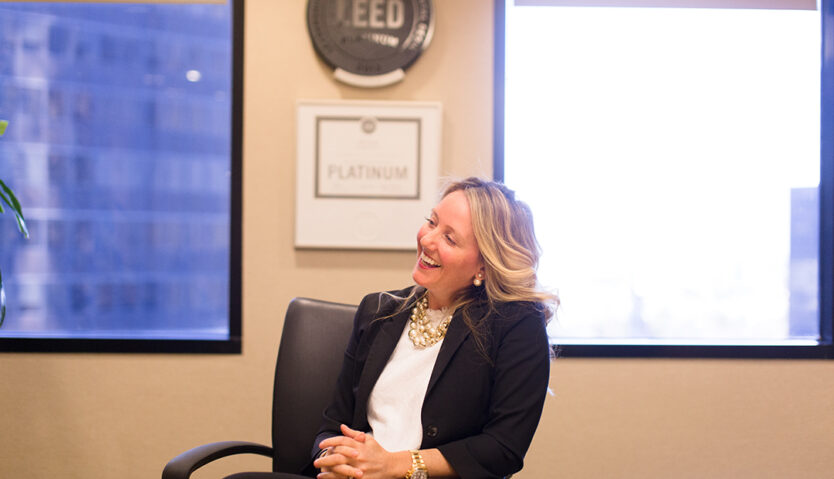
x: 455, y: 336
x: 380, y: 351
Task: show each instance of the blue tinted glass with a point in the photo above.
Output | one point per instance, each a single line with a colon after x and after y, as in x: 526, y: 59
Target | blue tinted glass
x: 119, y: 148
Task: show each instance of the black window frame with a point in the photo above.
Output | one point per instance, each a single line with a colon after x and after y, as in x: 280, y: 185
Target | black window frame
x: 825, y: 347
x: 232, y: 345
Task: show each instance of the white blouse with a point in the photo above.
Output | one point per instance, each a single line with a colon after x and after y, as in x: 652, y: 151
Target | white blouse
x: 396, y: 402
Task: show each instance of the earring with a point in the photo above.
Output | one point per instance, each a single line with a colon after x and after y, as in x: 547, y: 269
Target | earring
x: 477, y: 282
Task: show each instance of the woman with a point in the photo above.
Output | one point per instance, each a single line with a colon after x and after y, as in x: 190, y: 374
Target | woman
x: 447, y: 378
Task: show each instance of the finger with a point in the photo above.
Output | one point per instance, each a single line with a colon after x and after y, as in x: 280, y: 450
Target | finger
x: 347, y: 454
x: 330, y: 475
x: 353, y: 434
x: 336, y: 455
x: 346, y: 471
x: 330, y: 460
x: 346, y: 451
x: 337, y: 441
x: 326, y: 451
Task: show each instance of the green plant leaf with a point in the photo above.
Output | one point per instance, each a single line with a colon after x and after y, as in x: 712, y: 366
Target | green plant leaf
x: 3, y: 125
x: 2, y: 301
x: 10, y: 199
x: 14, y: 204
x: 5, y: 200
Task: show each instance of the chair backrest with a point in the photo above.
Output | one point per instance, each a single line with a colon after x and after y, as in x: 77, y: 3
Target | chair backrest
x: 310, y: 357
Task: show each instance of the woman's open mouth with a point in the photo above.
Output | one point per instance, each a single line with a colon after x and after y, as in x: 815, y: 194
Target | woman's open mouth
x: 426, y: 262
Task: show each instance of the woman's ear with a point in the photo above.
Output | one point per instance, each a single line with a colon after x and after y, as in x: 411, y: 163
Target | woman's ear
x: 481, y: 272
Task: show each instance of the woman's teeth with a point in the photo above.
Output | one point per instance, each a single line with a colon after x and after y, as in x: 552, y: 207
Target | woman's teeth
x: 428, y: 260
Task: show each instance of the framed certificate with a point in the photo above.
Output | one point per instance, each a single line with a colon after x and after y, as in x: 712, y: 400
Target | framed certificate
x: 367, y: 172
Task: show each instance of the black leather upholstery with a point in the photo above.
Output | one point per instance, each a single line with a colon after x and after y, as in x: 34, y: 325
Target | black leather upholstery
x: 309, y: 359
x: 310, y: 355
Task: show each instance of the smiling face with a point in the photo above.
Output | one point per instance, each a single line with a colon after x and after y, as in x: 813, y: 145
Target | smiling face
x: 448, y: 258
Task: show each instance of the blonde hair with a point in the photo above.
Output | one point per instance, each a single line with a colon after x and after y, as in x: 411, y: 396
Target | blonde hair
x: 503, y: 228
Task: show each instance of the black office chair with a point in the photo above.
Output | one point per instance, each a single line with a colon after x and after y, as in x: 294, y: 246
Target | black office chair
x: 309, y: 359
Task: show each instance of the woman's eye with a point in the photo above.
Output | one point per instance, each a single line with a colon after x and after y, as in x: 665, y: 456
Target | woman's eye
x: 430, y: 221
x: 450, y: 240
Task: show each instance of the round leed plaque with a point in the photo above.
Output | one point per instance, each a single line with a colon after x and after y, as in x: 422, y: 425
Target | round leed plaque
x: 370, y: 43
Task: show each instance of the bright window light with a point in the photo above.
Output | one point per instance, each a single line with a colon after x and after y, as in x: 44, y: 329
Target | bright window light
x: 671, y: 158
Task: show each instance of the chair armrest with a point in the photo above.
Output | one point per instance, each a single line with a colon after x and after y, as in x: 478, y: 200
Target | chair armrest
x: 183, y: 465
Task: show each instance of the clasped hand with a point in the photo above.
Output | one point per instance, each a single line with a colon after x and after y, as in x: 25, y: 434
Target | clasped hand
x: 353, y: 455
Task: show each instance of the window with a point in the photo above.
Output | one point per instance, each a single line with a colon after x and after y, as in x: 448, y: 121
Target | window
x: 673, y: 162
x: 124, y: 147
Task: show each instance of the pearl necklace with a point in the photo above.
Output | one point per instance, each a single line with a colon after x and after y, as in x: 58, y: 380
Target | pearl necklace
x: 421, y: 332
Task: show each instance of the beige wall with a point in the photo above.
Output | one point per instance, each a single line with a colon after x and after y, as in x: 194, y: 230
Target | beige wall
x: 103, y: 415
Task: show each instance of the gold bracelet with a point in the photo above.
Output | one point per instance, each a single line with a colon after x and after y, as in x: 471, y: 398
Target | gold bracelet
x: 418, y: 467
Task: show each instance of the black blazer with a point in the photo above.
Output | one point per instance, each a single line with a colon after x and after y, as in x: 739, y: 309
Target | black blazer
x: 480, y: 413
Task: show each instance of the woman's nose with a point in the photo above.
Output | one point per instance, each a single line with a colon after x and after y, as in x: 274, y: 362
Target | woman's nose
x: 427, y: 240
